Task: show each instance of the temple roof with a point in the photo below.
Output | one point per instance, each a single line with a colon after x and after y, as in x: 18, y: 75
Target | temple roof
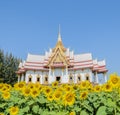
x: 58, y: 54
x: 61, y: 57
x: 35, y: 58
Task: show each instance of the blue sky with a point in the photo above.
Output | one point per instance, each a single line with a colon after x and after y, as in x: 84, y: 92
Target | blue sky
x: 31, y: 26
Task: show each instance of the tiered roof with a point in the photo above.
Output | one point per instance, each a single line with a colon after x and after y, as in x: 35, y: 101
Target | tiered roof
x: 61, y: 57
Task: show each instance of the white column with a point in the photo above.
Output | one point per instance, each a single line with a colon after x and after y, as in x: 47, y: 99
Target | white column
x: 66, y: 80
x: 96, y: 77
x: 41, y: 78
x: 49, y: 76
x: 22, y: 77
x: 34, y: 77
x: 90, y: 76
x: 105, y: 77
x: 53, y: 77
x: 18, y: 78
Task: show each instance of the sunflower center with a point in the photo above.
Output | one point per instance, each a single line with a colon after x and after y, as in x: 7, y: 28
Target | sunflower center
x: 115, y: 80
x: 34, y: 92
x: 69, y: 98
x: 84, y: 95
x: 14, y: 110
x: 57, y: 95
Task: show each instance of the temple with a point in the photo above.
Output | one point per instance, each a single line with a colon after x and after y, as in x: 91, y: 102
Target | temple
x: 62, y: 65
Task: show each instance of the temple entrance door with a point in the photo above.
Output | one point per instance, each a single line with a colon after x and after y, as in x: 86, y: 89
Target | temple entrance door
x: 58, y: 78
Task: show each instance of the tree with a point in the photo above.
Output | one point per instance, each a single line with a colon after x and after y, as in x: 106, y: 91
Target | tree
x: 1, y: 66
x: 8, y: 67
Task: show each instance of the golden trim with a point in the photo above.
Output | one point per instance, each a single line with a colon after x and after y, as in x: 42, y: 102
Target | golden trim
x: 58, y: 55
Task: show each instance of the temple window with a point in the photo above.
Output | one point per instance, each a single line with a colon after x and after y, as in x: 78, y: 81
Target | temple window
x: 78, y: 78
x: 29, y: 78
x: 70, y: 78
x: 87, y: 77
x: 38, y: 78
x: 46, y: 79
x: 58, y: 78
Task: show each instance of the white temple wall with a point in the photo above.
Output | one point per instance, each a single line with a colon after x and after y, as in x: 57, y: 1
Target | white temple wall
x: 82, y: 73
x: 63, y: 73
x: 88, y: 72
x: 51, y: 76
x: 64, y: 78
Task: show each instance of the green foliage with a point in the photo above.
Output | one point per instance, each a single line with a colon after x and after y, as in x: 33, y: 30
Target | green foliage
x: 101, y: 110
x: 8, y: 68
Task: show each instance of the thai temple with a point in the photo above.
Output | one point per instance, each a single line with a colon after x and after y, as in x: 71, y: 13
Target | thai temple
x: 62, y: 65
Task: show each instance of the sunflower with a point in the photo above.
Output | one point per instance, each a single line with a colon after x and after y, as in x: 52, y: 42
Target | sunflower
x: 114, y: 80
x: 107, y: 87
x: 34, y: 92
x: 47, y: 90
x: 19, y: 86
x: 8, y: 86
x: 83, y: 95
x: 60, y: 89
x: 63, y: 85
x: 57, y: 95
x: 6, y: 95
x: 1, y: 113
x: 26, y: 91
x: 68, y: 88
x: 72, y: 113
x: 14, y: 110
x: 50, y: 97
x: 84, y: 85
x: 37, y: 85
x: 97, y: 88
x: 75, y: 87
x: 4, y: 89
x: 55, y: 84
x: 69, y: 98
x: 31, y: 85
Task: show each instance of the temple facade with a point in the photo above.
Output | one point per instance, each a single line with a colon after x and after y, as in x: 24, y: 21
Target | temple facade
x: 62, y: 65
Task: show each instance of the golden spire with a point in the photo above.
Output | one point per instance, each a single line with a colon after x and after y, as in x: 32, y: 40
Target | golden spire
x: 58, y: 53
x: 59, y: 35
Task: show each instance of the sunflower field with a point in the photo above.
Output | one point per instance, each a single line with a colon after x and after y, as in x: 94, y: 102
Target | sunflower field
x: 64, y: 99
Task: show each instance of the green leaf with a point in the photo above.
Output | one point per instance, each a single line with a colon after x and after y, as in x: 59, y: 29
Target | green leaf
x: 25, y: 109
x: 83, y: 112
x: 101, y: 111
x: 31, y: 102
x: 110, y: 103
x: 77, y: 109
x: 41, y: 100
x: 88, y: 107
x: 35, y: 108
x: 21, y: 101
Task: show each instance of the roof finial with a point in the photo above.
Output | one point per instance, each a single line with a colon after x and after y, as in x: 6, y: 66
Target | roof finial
x: 59, y: 35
